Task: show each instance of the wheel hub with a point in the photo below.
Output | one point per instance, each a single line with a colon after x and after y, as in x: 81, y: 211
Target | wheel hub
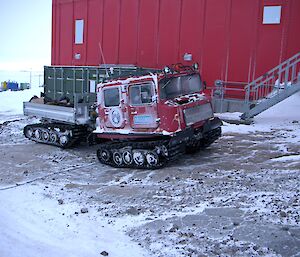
x: 38, y: 134
x: 127, y: 157
x: 29, y: 132
x: 63, y: 140
x: 104, y: 155
x: 152, y: 158
x: 53, y: 137
x: 138, y: 158
x: 46, y: 135
x: 117, y: 158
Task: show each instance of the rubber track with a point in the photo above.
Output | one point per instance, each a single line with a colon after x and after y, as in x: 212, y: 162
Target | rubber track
x: 78, y: 133
x: 173, y: 152
x: 205, y: 141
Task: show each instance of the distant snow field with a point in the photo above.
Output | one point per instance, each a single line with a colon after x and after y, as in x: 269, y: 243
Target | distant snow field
x: 11, y: 102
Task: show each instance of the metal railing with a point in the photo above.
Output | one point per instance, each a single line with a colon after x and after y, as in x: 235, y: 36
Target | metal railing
x: 227, y: 90
x: 275, y: 85
x: 274, y: 81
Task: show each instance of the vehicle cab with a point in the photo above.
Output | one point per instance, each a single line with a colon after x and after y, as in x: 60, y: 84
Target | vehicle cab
x: 128, y: 106
x: 155, y: 104
x: 182, y: 101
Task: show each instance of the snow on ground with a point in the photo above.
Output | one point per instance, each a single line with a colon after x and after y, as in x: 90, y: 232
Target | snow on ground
x: 156, y: 209
x: 11, y: 102
x: 34, y: 225
x: 31, y: 224
x: 283, y: 115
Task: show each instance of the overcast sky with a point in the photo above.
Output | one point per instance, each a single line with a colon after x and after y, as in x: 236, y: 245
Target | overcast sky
x: 25, y: 34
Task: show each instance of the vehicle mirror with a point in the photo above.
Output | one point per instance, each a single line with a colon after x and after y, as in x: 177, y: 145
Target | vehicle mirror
x: 204, y: 84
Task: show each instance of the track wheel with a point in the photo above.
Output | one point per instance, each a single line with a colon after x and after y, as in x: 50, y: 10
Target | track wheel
x: 138, y: 158
x: 117, y: 158
x: 152, y: 158
x: 127, y: 157
x: 64, y: 140
x: 103, y: 155
x: 45, y: 135
x: 29, y: 132
x: 53, y: 137
x: 38, y: 134
x: 164, y: 151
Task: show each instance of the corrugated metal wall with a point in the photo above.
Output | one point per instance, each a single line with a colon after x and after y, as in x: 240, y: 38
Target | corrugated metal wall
x: 226, y: 37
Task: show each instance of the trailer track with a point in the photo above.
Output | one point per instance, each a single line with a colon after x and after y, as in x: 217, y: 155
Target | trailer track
x: 62, y: 135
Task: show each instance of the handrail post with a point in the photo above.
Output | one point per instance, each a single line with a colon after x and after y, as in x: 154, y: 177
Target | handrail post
x: 222, y: 96
x: 286, y: 78
x: 54, y: 83
x: 247, y: 96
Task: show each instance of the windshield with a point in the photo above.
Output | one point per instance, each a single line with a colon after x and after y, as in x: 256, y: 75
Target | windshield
x: 178, y: 86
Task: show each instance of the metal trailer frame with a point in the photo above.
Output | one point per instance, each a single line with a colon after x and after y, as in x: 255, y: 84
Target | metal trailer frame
x: 78, y: 115
x: 73, y: 83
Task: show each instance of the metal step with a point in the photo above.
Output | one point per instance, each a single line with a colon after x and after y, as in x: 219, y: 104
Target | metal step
x: 273, y: 87
x: 269, y: 102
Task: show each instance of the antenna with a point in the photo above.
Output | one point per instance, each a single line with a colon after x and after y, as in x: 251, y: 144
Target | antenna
x: 102, y: 55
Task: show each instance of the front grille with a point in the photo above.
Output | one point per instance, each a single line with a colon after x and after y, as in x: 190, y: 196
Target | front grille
x: 197, y: 113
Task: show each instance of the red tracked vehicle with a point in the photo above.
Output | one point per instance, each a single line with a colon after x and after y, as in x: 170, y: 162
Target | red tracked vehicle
x: 145, y: 117
x: 150, y: 118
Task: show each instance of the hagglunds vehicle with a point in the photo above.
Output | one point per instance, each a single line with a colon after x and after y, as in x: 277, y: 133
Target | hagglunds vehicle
x: 140, y: 118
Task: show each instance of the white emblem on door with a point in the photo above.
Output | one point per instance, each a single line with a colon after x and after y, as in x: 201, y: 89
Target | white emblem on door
x: 115, y: 117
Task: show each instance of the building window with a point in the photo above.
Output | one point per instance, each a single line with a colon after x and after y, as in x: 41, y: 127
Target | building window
x: 79, y: 25
x: 272, y: 15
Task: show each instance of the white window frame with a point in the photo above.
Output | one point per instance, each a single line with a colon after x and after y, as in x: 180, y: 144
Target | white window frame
x: 272, y: 14
x: 79, y: 31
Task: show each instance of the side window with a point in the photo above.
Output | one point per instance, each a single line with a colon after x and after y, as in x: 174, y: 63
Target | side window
x: 79, y: 25
x: 140, y: 94
x: 111, y: 97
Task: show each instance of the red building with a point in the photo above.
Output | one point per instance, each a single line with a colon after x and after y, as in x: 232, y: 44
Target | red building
x: 232, y: 40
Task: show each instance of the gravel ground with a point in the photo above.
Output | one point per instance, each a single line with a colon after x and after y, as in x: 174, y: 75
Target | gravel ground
x: 240, y: 197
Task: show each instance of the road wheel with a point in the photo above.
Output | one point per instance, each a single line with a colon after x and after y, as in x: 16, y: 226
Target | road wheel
x: 46, y: 135
x: 64, y: 140
x: 103, y: 155
x: 29, y: 132
x: 117, y: 158
x: 164, y: 151
x: 38, y: 134
x: 53, y: 137
x: 127, y: 157
x: 138, y: 158
x: 152, y: 158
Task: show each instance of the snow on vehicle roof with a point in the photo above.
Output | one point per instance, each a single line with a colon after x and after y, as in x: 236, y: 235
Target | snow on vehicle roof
x: 128, y: 80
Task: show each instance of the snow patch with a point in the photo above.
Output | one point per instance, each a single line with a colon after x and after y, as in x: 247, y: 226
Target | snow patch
x: 40, y: 226
x: 11, y: 102
x: 284, y: 115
